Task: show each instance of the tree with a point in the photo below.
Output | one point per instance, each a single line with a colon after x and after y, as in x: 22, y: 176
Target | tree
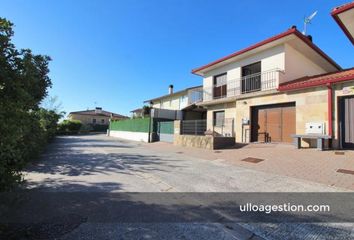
x: 24, y: 83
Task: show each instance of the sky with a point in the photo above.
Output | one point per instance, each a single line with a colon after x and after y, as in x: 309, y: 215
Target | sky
x: 115, y: 54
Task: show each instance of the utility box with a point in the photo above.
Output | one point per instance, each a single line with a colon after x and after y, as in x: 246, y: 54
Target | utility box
x: 315, y: 128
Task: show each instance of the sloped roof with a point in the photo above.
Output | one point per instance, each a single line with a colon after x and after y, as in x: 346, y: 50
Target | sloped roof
x: 137, y: 110
x: 169, y: 95
x: 290, y: 31
x: 335, y: 14
x: 318, y: 80
x: 342, y: 8
x: 101, y: 113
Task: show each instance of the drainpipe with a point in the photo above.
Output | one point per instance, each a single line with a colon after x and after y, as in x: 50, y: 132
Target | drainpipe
x: 330, y: 109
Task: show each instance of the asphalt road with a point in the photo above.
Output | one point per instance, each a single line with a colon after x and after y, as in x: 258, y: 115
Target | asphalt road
x: 96, y: 165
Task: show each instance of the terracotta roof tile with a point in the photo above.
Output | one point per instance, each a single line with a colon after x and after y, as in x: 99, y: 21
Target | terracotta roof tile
x: 318, y: 80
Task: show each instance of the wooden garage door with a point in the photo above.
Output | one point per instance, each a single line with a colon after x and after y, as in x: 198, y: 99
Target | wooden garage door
x: 273, y: 123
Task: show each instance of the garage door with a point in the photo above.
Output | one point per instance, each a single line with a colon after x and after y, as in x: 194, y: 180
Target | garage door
x: 273, y: 123
x: 347, y: 122
x: 165, y: 131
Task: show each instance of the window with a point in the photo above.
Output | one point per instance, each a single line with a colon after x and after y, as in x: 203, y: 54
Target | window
x: 251, y: 78
x: 219, y: 118
x: 94, y: 120
x: 102, y: 121
x: 220, y: 86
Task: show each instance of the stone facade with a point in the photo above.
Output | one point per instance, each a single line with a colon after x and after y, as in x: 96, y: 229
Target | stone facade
x: 311, y: 106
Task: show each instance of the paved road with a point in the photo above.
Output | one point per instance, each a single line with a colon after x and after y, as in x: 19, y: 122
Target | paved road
x: 96, y: 163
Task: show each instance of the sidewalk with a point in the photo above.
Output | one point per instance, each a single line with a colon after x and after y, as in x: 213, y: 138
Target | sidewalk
x: 280, y: 159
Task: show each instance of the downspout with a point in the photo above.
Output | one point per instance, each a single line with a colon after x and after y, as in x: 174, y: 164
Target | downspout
x: 330, y: 109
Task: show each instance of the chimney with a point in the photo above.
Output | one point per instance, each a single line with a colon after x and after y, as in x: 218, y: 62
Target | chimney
x: 309, y: 37
x: 98, y: 110
x: 170, y: 89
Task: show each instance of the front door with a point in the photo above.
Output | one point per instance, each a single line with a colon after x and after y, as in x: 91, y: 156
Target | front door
x: 347, y: 122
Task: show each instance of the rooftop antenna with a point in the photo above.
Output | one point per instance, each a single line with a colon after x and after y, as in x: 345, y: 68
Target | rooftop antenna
x: 307, y: 20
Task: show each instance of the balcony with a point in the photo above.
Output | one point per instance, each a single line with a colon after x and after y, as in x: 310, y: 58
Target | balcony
x: 195, y: 95
x: 262, y: 81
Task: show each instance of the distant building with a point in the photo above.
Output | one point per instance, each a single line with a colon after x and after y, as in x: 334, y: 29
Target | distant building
x: 137, y: 113
x: 96, y: 116
x: 180, y: 105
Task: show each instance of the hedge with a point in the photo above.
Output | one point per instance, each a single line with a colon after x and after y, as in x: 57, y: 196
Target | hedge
x: 131, y: 125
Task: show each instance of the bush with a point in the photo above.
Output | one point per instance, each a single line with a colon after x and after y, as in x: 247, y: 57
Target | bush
x: 25, y: 128
x: 48, y: 120
x: 86, y: 128
x: 69, y: 127
x: 99, y: 128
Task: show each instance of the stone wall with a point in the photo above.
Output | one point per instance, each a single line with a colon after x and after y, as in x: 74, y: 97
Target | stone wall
x: 206, y: 142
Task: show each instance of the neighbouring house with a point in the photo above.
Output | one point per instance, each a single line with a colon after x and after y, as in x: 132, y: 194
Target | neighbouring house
x: 179, y: 105
x: 279, y: 87
x: 137, y: 113
x: 97, y: 118
x: 344, y: 16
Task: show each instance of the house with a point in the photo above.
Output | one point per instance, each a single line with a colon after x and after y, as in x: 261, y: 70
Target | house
x: 96, y: 117
x: 278, y: 87
x: 344, y: 16
x: 179, y: 105
x: 137, y: 113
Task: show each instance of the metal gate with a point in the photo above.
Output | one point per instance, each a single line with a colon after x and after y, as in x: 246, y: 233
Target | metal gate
x: 165, y: 130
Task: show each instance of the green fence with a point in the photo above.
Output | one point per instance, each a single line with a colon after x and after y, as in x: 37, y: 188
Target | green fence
x: 131, y: 125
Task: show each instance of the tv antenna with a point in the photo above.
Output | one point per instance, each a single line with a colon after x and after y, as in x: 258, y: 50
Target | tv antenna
x: 307, y: 20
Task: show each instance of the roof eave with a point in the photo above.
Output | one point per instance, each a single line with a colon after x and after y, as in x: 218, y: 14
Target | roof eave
x: 199, y: 71
x: 336, y: 18
x: 315, y: 84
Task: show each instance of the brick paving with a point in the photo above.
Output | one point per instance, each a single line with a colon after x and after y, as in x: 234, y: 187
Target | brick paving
x: 280, y: 159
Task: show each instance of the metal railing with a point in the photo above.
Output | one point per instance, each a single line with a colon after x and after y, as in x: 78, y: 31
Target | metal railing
x: 225, y: 128
x: 195, y: 95
x: 193, y: 127
x: 262, y: 81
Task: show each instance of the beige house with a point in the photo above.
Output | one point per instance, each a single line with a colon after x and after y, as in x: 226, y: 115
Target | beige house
x: 96, y: 116
x: 282, y: 86
x: 183, y: 102
x: 137, y: 113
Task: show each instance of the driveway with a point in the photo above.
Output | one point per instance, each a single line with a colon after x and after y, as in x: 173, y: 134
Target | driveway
x: 95, y: 164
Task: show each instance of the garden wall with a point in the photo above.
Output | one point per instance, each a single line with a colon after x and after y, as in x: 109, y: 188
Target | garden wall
x: 131, y: 129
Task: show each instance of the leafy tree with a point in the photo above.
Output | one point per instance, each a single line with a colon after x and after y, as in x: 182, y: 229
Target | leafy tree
x: 24, y: 83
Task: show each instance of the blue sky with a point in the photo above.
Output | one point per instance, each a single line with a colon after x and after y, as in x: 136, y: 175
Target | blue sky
x: 120, y: 53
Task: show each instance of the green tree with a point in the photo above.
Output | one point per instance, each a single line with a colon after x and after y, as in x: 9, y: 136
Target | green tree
x: 24, y: 83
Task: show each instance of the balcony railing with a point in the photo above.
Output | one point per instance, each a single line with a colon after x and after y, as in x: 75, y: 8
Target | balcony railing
x: 262, y: 81
x: 195, y: 95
